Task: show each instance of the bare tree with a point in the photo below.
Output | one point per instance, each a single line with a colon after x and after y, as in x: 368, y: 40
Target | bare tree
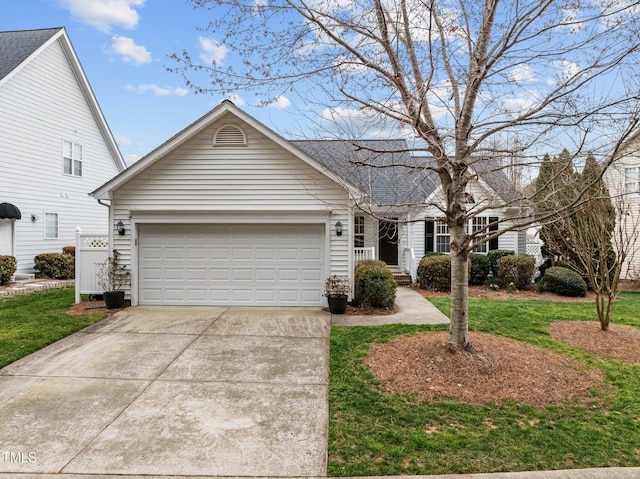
x: 456, y: 75
x: 598, y: 237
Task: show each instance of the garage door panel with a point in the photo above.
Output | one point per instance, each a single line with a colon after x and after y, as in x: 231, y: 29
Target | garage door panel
x: 232, y: 264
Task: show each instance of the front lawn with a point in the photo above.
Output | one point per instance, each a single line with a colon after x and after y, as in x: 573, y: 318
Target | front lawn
x: 372, y: 433
x: 31, y: 321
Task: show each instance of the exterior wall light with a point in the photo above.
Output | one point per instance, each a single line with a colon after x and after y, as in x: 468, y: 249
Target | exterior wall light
x: 120, y: 228
x: 339, y: 228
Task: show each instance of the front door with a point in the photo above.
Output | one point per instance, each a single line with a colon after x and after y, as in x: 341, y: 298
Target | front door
x: 388, y: 242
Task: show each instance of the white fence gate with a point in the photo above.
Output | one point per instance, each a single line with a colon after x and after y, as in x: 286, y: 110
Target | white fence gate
x: 91, y: 249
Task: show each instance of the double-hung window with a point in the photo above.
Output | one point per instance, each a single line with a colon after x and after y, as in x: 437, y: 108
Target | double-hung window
x: 358, y: 231
x: 479, y: 223
x: 443, y: 239
x: 71, y: 158
x: 632, y: 180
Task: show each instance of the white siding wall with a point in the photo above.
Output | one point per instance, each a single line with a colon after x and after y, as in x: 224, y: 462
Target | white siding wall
x: 198, y: 182
x: 614, y: 177
x: 39, y: 107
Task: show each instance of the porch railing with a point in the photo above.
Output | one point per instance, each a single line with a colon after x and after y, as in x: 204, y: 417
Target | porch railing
x: 411, y: 263
x: 364, y: 253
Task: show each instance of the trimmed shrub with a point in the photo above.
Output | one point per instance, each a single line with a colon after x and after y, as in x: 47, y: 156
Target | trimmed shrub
x: 360, y: 266
x: 8, y: 267
x: 564, y: 282
x: 494, y: 255
x: 55, y: 265
x: 70, y: 250
x: 516, y: 269
x: 480, y: 266
x: 434, y: 253
x: 376, y: 287
x: 434, y: 273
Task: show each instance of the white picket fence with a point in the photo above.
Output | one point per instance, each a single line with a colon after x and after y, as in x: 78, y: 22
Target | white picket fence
x: 91, y: 249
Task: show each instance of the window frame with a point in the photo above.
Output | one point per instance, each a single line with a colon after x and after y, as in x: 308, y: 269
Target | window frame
x: 442, y: 237
x: 72, y: 158
x: 634, y: 183
x: 358, y: 231
x: 478, y: 223
x: 46, y: 226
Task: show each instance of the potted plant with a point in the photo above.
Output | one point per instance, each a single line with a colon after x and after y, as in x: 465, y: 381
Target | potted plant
x: 112, y: 277
x: 337, y: 289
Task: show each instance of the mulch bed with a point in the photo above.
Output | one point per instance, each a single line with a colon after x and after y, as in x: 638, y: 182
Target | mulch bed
x: 94, y: 307
x: 422, y: 367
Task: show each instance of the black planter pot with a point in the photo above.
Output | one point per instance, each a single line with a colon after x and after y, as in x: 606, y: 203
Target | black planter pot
x: 337, y: 304
x: 113, y: 299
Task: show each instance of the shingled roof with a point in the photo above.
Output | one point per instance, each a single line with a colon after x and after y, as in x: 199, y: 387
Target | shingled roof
x: 17, y: 46
x: 388, y: 173
x: 383, y: 169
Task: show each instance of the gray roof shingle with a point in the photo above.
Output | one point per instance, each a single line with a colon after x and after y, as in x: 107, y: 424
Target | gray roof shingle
x: 16, y: 46
x: 383, y: 169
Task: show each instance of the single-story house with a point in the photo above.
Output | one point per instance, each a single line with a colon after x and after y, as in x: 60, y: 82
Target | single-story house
x: 227, y: 212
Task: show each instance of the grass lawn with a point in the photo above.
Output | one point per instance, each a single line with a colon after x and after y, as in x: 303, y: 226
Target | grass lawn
x: 31, y: 321
x: 373, y: 434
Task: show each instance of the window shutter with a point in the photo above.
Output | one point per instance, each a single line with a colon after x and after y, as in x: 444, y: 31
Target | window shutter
x: 493, y: 244
x: 429, y: 227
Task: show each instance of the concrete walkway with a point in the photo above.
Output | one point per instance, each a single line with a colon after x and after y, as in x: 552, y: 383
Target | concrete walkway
x: 173, y: 392
x: 413, y: 309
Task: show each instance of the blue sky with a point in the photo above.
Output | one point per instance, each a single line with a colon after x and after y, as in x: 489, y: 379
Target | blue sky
x: 124, y: 47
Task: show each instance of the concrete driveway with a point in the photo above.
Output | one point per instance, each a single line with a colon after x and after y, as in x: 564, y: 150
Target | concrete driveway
x: 174, y: 391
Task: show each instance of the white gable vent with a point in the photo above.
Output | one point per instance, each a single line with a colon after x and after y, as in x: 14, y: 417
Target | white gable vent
x: 229, y: 135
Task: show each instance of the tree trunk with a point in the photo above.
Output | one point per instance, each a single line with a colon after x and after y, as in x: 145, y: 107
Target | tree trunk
x: 459, y: 328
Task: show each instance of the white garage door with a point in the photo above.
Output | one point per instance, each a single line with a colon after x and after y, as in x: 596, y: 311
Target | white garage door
x: 231, y: 264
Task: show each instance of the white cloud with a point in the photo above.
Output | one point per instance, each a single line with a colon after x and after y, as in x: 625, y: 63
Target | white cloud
x: 280, y: 103
x: 129, y: 51
x: 212, y: 52
x: 157, y: 90
x: 105, y: 14
x: 237, y: 99
x: 131, y: 159
x: 124, y: 140
x: 567, y: 69
x: 522, y: 74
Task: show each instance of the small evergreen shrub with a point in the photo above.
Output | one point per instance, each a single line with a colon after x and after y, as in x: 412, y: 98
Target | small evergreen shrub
x: 480, y: 266
x: 360, y: 266
x: 516, y: 270
x: 434, y: 273
x: 434, y: 253
x: 70, y: 250
x: 8, y: 267
x: 376, y: 287
x: 564, y: 282
x: 55, y: 265
x: 494, y: 255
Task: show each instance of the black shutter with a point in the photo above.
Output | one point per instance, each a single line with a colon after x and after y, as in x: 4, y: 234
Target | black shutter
x: 429, y: 237
x: 493, y: 244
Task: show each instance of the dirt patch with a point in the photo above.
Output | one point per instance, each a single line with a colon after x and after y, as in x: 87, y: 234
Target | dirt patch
x: 93, y: 307
x: 620, y: 342
x: 421, y: 366
x: 364, y: 310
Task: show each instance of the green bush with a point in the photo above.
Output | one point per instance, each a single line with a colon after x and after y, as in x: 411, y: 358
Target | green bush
x: 434, y: 273
x: 376, y: 287
x: 70, y: 250
x: 516, y: 269
x: 361, y: 265
x: 434, y: 253
x: 564, y: 282
x: 480, y: 266
x: 55, y: 265
x: 494, y: 255
x: 8, y: 267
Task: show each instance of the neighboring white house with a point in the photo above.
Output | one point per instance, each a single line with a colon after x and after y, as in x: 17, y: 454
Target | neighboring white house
x: 623, y: 181
x: 55, y: 146
x: 227, y: 212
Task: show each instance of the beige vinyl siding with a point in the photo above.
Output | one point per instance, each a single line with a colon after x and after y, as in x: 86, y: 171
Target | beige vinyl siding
x: 40, y: 106
x: 260, y: 181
